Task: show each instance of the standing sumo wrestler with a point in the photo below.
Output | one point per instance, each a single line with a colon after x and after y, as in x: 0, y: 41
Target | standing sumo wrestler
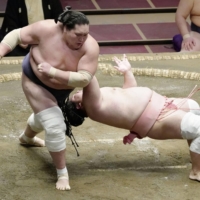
x: 63, y: 56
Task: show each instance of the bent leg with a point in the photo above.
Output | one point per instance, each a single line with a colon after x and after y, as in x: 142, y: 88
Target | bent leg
x: 190, y: 128
x: 193, y: 107
x: 51, y: 119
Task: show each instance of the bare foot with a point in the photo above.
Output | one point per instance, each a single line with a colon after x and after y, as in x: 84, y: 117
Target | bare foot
x: 194, y: 176
x: 37, y: 142
x: 63, y: 182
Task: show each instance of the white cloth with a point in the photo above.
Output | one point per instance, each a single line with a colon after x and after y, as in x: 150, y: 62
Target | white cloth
x: 190, y: 130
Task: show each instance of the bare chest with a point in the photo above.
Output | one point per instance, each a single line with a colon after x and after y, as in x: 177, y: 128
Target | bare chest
x: 122, y: 107
x: 57, y: 54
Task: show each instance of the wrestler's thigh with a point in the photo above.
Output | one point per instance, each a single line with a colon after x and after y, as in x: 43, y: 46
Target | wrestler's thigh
x: 38, y: 97
x: 169, y: 127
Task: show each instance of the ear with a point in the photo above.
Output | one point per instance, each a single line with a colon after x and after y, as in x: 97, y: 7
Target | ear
x: 78, y: 105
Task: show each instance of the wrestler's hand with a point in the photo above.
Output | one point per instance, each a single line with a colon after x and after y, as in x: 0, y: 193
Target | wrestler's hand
x: 44, y: 68
x: 129, y: 138
x: 123, y: 65
x: 24, y: 46
x: 188, y: 44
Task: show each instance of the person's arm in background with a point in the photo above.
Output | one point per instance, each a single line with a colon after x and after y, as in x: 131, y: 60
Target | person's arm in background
x: 183, y: 11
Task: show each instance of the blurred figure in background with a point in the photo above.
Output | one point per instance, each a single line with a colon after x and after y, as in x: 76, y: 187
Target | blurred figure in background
x: 20, y: 13
x: 190, y: 38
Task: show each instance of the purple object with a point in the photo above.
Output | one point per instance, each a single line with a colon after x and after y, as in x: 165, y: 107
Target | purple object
x: 177, y: 41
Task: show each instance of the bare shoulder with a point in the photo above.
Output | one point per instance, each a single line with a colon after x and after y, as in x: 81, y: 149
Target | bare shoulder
x: 41, y: 26
x: 185, y: 3
x: 91, y: 46
x: 90, y: 54
x: 33, y: 33
x: 45, y: 25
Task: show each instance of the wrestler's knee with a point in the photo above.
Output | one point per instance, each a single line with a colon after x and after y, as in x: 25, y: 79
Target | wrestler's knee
x: 34, y: 123
x: 195, y: 145
x: 53, y: 123
x: 190, y: 130
x: 194, y: 107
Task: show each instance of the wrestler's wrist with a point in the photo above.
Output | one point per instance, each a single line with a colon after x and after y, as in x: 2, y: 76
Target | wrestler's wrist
x: 186, y: 36
x: 52, y: 72
x: 128, y: 71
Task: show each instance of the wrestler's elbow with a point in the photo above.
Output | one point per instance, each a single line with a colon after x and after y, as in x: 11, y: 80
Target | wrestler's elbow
x: 79, y: 79
x: 83, y: 82
x: 12, y: 39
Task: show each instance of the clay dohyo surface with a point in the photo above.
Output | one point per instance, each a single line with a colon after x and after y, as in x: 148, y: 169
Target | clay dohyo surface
x: 106, y: 168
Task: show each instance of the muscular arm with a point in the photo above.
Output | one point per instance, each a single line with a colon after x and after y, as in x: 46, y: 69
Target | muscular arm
x: 183, y: 11
x: 89, y: 61
x: 86, y: 68
x: 92, y: 97
x: 26, y: 35
x: 129, y: 79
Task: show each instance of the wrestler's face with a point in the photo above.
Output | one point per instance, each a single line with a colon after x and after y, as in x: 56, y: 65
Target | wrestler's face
x: 77, y: 98
x: 76, y: 37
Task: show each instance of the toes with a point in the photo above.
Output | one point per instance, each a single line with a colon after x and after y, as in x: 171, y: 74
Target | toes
x: 63, y: 187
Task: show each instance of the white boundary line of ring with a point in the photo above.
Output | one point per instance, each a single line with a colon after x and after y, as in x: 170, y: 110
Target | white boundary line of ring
x: 143, y: 168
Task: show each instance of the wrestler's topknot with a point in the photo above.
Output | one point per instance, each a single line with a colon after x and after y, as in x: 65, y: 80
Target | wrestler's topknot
x: 70, y: 18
